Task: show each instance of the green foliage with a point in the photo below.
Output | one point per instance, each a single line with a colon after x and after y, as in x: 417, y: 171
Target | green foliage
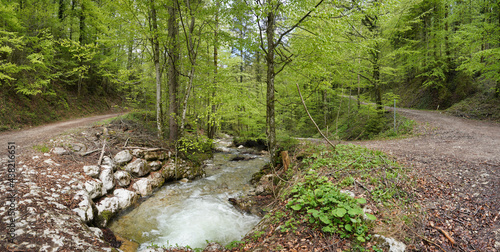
x: 191, y: 143
x: 234, y: 245
x: 41, y: 148
x: 325, y: 206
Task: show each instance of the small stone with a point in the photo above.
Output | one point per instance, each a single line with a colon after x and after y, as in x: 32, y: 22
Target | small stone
x: 391, y: 244
x: 59, y: 151
x: 108, y: 180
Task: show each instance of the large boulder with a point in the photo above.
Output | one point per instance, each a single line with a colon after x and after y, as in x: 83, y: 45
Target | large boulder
x: 106, y: 208
x: 143, y: 186
x: 122, y: 178
x: 138, y: 168
x: 172, y: 171
x: 156, y: 180
x: 86, y: 209
x: 94, y: 188
x: 125, y: 198
x: 107, y: 178
x: 91, y: 170
x: 122, y: 157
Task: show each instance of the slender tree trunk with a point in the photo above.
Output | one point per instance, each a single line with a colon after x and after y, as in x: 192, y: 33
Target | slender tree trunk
x: 156, y: 59
x: 82, y: 23
x: 173, y: 73
x: 211, y: 127
x: 270, y: 120
x: 61, y: 10
x: 376, y: 78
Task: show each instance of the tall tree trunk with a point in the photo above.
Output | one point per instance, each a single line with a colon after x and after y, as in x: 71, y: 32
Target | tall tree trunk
x: 156, y: 59
x: 376, y: 78
x: 270, y: 120
x: 61, y: 10
x: 82, y: 23
x: 211, y: 127
x: 173, y: 72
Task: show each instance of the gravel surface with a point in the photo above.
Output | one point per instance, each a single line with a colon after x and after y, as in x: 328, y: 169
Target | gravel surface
x: 457, y: 163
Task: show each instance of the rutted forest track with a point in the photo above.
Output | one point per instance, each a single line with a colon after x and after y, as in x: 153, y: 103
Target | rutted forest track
x: 457, y: 163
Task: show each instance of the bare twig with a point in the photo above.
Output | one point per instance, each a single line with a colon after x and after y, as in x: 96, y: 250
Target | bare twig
x: 310, y: 117
x: 126, y: 142
x: 444, y: 233
x: 364, y: 187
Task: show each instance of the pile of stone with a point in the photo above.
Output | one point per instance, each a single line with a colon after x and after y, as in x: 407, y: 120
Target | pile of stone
x: 120, y: 181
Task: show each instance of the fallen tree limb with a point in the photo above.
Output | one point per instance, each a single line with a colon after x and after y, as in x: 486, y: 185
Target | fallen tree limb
x: 444, y: 233
x: 88, y: 152
x: 144, y: 148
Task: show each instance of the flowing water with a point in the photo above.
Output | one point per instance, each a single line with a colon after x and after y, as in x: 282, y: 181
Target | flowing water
x: 192, y: 213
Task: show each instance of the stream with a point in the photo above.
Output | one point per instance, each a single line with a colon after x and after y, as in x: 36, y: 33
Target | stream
x: 192, y: 213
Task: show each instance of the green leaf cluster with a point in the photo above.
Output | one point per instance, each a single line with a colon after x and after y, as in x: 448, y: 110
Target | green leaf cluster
x: 322, y: 204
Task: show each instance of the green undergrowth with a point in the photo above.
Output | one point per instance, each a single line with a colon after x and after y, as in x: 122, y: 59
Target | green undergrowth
x: 315, y: 193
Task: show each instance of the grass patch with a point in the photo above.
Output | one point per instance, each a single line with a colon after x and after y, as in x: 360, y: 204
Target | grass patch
x: 41, y: 148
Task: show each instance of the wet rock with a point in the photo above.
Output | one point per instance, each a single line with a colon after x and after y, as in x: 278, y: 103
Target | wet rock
x: 60, y: 151
x: 108, y: 180
x: 86, y: 209
x: 125, y: 198
x: 91, y: 170
x: 143, y: 187
x: 106, y: 208
x: 94, y: 188
x: 155, y: 165
x: 138, y: 168
x: 172, y: 171
x: 156, y: 180
x: 122, y: 178
x: 389, y: 244
x: 122, y: 157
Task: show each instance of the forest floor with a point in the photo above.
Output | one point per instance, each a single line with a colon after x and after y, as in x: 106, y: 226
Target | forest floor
x: 457, y: 162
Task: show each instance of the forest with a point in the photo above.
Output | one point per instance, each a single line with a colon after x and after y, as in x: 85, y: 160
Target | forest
x: 250, y: 68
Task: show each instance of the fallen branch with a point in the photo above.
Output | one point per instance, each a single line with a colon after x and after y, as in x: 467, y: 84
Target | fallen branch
x: 126, y: 142
x: 102, y: 153
x: 425, y: 239
x: 364, y: 187
x: 144, y: 148
x: 444, y: 233
x: 88, y: 152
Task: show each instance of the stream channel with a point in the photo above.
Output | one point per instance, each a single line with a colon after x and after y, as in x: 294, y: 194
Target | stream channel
x: 192, y: 213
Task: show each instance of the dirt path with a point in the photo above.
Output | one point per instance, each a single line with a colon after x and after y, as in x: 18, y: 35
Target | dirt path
x: 457, y: 163
x: 29, y: 137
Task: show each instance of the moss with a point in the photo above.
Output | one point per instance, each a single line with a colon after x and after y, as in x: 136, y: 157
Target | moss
x: 107, y: 215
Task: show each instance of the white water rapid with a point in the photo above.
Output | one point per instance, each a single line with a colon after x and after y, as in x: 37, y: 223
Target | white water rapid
x: 192, y: 213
